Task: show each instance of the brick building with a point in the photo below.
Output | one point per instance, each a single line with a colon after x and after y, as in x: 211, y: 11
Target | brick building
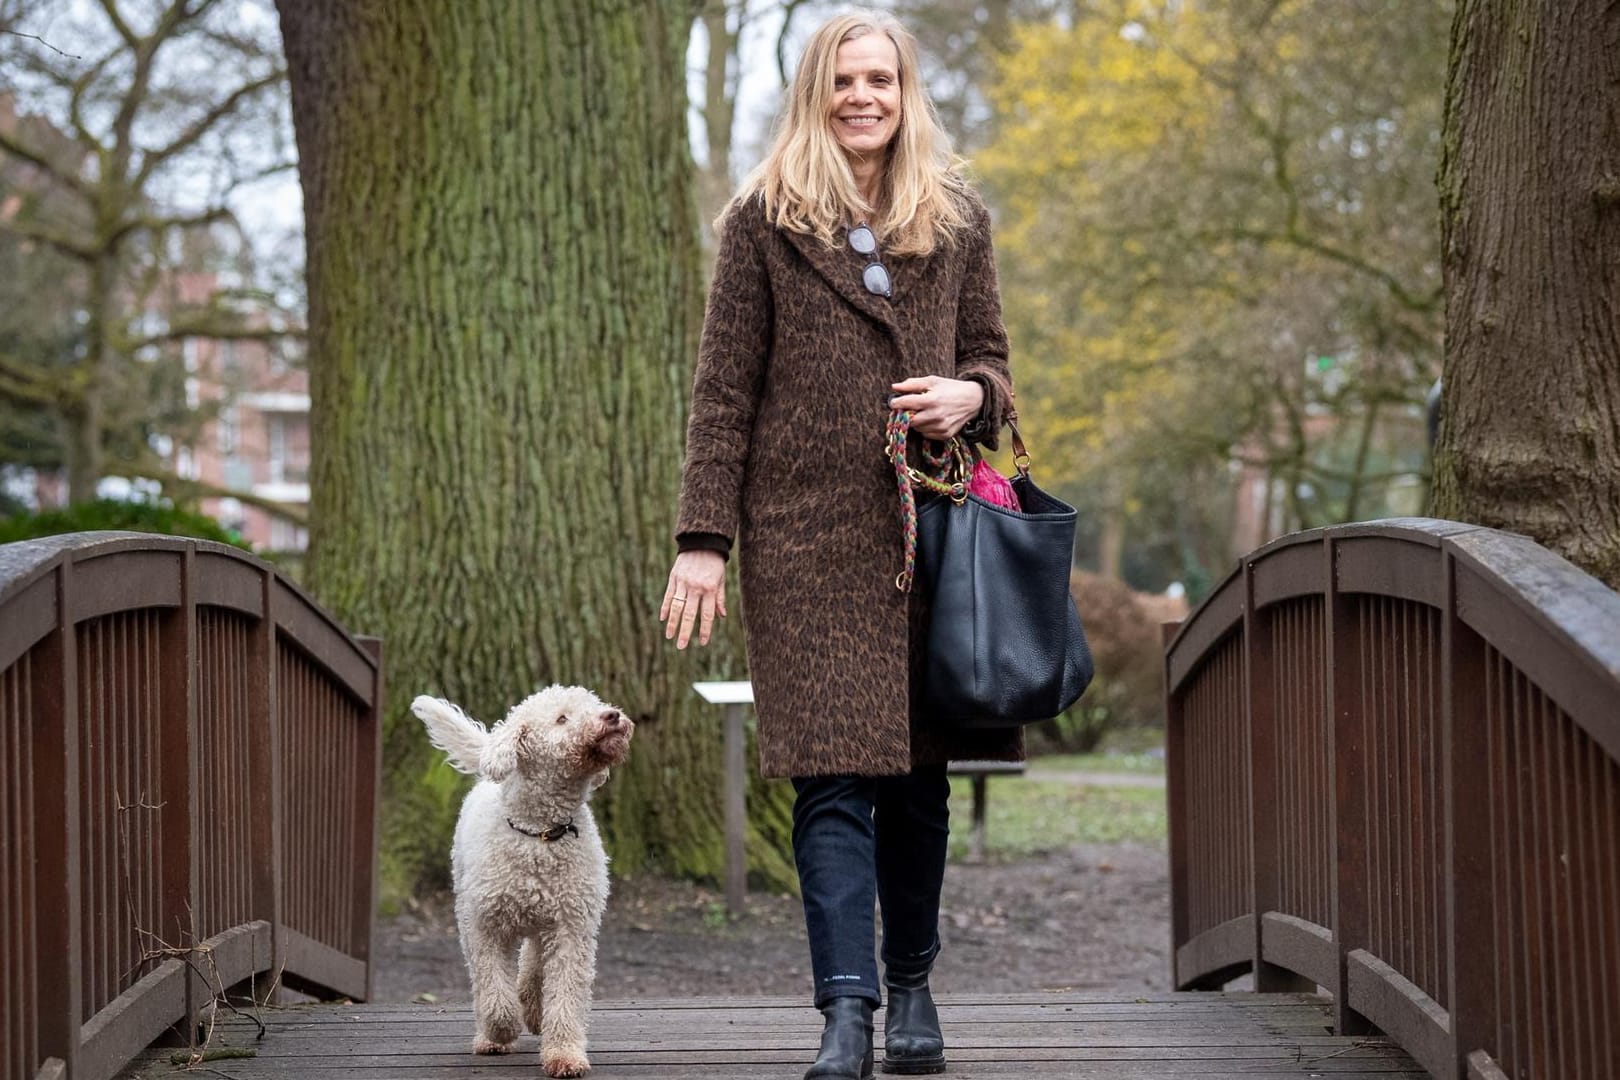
x: 256, y: 441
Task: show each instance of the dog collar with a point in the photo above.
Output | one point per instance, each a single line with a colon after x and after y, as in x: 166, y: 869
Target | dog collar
x: 556, y: 832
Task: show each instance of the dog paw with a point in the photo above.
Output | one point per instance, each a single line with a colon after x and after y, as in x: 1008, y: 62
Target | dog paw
x: 490, y: 1046
x: 565, y: 1063
x: 501, y: 1028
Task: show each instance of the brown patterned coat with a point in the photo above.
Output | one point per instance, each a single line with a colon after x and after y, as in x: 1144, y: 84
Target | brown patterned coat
x: 785, y: 455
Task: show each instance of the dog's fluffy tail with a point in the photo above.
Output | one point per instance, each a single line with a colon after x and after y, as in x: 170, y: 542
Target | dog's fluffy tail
x: 460, y: 736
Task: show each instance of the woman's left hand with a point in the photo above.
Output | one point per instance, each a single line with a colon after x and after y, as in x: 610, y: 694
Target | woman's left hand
x: 939, y: 407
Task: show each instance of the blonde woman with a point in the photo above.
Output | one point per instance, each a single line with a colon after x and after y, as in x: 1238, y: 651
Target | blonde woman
x: 854, y: 273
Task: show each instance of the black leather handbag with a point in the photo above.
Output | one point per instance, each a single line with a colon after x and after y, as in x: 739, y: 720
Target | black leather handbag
x: 1005, y: 644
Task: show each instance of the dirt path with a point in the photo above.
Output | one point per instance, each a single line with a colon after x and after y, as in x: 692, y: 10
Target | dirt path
x: 1092, y: 916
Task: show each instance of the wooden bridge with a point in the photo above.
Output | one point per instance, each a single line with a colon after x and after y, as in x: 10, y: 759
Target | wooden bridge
x: 1394, y: 791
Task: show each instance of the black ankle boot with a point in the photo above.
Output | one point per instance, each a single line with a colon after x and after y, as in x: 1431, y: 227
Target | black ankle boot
x: 846, y: 1041
x: 912, y: 1043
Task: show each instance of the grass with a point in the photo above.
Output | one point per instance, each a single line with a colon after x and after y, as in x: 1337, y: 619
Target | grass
x: 1140, y: 764
x: 1027, y: 817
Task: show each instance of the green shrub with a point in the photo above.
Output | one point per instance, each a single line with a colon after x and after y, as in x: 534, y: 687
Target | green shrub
x: 413, y: 854
x: 108, y: 514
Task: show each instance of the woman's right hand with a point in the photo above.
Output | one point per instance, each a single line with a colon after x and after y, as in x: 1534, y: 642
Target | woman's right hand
x: 696, y: 592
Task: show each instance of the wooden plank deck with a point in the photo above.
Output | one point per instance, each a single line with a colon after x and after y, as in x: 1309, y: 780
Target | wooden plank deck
x: 1095, y: 1036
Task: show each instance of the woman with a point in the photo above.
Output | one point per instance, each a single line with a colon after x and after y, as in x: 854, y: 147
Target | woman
x: 854, y: 273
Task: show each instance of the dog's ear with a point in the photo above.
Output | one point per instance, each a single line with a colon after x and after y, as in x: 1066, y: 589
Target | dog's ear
x: 500, y: 756
x: 460, y: 736
x: 597, y: 781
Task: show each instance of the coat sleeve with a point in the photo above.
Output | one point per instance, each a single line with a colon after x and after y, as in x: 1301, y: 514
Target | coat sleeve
x: 981, y: 338
x: 727, y: 384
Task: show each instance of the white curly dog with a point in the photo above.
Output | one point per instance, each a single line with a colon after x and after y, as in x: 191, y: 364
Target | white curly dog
x: 530, y: 874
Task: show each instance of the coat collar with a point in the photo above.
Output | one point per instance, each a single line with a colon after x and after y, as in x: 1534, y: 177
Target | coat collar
x: 842, y: 270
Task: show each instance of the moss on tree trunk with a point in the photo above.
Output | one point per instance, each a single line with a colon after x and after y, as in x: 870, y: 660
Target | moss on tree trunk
x: 504, y: 292
x: 1530, y: 199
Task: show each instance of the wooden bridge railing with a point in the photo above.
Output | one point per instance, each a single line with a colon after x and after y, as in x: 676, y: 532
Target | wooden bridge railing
x: 1394, y: 754
x: 189, y: 753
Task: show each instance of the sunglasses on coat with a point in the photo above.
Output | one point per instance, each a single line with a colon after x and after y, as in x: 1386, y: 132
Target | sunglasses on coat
x: 876, y: 276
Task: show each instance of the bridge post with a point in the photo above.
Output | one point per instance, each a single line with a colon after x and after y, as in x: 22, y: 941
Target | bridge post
x: 368, y: 800
x: 1467, y: 764
x: 55, y: 773
x: 264, y: 759
x: 1348, y: 811
x: 1176, y: 804
x: 1260, y: 704
x: 180, y: 872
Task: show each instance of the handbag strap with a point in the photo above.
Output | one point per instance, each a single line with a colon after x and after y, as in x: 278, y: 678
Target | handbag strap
x: 934, y: 476
x: 1021, y: 458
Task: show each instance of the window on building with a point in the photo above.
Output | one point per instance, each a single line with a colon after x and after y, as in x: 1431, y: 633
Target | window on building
x: 230, y: 432
x: 278, y: 447
x: 286, y: 536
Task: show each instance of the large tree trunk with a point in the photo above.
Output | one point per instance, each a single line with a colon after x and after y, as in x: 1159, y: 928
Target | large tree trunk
x: 503, y: 283
x: 1530, y: 196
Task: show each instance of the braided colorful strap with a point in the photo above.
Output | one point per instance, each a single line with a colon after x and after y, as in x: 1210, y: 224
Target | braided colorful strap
x: 936, y: 478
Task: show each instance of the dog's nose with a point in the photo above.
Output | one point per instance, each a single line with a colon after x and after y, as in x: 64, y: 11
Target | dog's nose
x: 613, y: 718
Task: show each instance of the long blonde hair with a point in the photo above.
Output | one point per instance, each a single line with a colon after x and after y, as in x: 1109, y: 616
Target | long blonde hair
x: 806, y: 181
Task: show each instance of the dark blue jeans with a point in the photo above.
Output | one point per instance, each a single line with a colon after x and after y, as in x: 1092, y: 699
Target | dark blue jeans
x: 857, y: 839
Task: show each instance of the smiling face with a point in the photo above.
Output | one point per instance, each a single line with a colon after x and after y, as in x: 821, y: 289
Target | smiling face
x: 866, y: 95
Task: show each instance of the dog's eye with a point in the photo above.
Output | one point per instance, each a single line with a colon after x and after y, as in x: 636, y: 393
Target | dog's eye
x: 562, y: 719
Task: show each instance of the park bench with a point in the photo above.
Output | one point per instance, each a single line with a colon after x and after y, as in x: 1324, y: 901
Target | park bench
x: 734, y: 699
x: 979, y: 774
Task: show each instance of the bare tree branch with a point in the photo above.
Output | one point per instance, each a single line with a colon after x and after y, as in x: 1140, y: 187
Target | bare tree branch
x: 1265, y: 16
x: 42, y: 41
x: 205, y: 123
x: 161, y: 224
x: 116, y: 18
x: 24, y: 386
x: 1396, y: 287
x: 145, y: 49
x: 11, y: 145
x: 180, y: 330
x: 22, y: 393
x: 789, y: 7
x: 40, y: 234
x: 263, y: 174
x: 80, y: 87
x: 169, y: 478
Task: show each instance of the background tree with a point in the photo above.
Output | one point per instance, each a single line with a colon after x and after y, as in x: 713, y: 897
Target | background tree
x: 504, y: 298
x: 39, y: 332
x: 722, y: 23
x: 1530, y: 194
x: 741, y: 41
x: 1219, y: 252
x: 135, y: 142
x: 963, y: 42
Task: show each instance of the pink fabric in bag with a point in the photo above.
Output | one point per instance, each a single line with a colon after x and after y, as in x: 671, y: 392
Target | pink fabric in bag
x: 992, y: 487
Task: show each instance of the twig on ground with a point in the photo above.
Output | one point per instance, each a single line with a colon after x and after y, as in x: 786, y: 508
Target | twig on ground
x: 155, y: 949
x: 188, y: 1057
